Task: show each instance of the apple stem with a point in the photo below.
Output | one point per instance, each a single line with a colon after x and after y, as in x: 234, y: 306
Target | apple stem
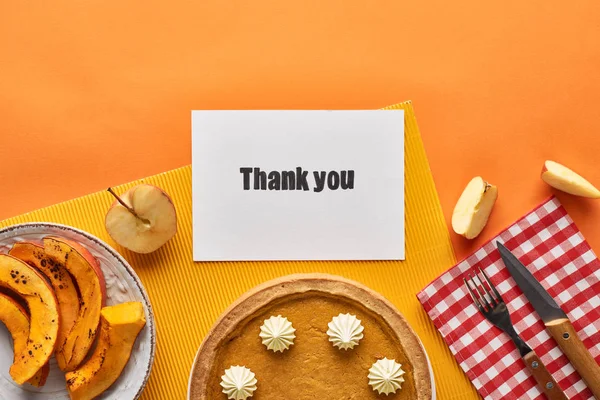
x: 111, y: 191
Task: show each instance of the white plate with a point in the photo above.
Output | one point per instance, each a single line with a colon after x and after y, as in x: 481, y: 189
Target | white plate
x: 122, y: 284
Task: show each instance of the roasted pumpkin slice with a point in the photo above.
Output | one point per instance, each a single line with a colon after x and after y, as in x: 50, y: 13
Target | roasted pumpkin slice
x: 39, y: 379
x: 16, y: 320
x: 60, y: 280
x: 86, y: 272
x: 120, y: 325
x: 30, y: 285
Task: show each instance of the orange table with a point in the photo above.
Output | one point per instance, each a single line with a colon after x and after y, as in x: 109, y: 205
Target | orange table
x: 95, y: 94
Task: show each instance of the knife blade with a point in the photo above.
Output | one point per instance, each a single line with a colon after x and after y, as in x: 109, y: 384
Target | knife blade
x: 555, y: 319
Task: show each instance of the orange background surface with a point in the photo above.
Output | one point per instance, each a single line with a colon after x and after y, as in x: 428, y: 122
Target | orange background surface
x: 96, y: 93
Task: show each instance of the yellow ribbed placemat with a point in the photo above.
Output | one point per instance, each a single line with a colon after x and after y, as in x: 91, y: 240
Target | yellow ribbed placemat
x: 188, y: 297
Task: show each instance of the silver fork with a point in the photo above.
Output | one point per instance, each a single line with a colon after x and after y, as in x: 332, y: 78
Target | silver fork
x: 492, y: 306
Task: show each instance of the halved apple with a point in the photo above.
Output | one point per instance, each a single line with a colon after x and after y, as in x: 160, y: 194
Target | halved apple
x: 562, y: 178
x: 29, y: 284
x: 85, y: 269
x: 142, y: 219
x: 17, y: 322
x: 60, y: 280
x: 119, y: 327
x: 474, y: 207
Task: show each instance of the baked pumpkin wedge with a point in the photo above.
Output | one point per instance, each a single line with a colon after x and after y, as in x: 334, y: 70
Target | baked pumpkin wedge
x: 60, y: 280
x: 86, y: 272
x: 120, y: 325
x: 30, y: 285
x: 16, y: 320
x: 39, y: 379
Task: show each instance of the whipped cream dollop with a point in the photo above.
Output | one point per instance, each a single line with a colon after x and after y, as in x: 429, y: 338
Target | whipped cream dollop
x: 385, y: 376
x: 277, y: 333
x: 345, y: 331
x: 238, y: 383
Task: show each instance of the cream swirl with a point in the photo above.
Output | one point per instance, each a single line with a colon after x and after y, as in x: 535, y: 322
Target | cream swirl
x: 345, y: 331
x: 238, y: 383
x: 277, y: 333
x: 385, y: 376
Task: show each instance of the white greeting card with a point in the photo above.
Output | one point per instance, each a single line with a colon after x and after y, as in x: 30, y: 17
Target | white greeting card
x: 298, y: 185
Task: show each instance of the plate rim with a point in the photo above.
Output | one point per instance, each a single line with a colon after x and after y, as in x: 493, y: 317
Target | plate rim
x: 129, y: 270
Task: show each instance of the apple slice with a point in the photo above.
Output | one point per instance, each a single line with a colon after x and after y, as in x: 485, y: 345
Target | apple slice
x: 142, y: 219
x: 119, y: 327
x: 562, y: 178
x: 30, y: 285
x: 474, y: 207
x: 60, y: 280
x: 86, y: 272
x: 16, y: 320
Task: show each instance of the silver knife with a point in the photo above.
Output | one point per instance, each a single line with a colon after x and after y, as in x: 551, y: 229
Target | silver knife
x: 556, y: 321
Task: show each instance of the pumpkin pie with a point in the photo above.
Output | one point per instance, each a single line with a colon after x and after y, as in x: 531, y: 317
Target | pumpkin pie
x: 312, y: 368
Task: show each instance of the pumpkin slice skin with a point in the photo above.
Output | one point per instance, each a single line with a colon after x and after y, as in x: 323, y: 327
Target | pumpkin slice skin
x: 60, y: 280
x: 30, y: 285
x: 120, y: 326
x: 39, y: 379
x: 86, y: 272
x: 16, y: 320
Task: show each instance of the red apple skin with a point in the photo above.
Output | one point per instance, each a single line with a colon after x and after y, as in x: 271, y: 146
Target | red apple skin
x: 90, y: 259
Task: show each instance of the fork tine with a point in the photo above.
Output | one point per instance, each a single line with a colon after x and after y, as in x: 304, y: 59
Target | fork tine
x: 493, y: 301
x: 481, y: 295
x: 475, y: 300
x: 491, y: 285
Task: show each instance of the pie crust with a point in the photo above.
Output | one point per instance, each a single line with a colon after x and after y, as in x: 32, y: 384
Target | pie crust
x: 312, y: 368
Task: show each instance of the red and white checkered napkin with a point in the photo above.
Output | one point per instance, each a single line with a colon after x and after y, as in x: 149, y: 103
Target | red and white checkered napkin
x: 552, y: 248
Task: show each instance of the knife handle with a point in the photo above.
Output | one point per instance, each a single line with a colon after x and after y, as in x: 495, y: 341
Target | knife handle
x: 543, y: 378
x: 563, y: 332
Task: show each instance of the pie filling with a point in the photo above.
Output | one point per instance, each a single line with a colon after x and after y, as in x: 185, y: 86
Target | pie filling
x: 312, y: 368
